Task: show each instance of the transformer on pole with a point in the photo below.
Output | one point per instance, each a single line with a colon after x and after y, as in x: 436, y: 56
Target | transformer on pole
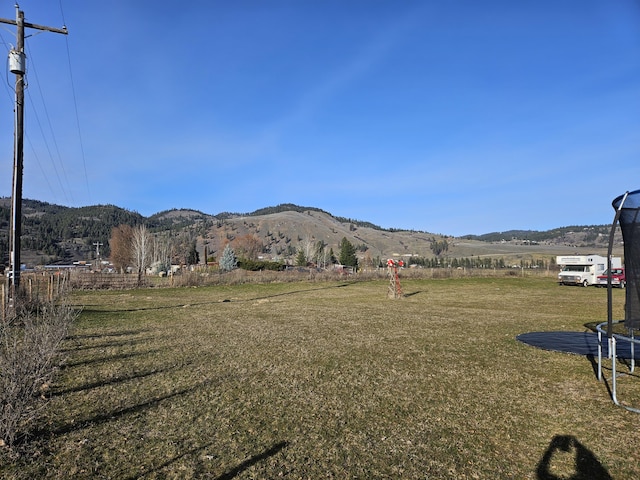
x: 17, y: 66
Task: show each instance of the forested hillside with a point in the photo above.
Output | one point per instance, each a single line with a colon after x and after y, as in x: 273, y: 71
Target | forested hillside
x: 589, y: 233
x: 58, y: 234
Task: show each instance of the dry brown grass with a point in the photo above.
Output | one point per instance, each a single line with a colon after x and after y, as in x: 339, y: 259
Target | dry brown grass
x: 331, y: 380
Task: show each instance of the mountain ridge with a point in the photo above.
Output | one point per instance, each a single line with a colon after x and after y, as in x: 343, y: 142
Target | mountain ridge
x: 55, y: 233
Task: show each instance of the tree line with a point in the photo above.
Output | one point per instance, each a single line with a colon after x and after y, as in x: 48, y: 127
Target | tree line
x: 479, y: 262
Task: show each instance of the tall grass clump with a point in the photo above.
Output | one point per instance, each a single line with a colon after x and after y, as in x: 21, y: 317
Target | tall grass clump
x: 30, y: 338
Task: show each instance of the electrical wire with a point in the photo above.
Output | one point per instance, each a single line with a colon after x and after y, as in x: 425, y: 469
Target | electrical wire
x: 46, y: 144
x: 66, y: 191
x: 75, y: 104
x: 44, y: 174
x: 10, y: 93
x: 9, y: 90
x: 33, y: 70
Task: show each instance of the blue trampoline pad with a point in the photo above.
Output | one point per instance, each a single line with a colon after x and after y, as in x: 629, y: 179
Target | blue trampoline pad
x: 579, y: 343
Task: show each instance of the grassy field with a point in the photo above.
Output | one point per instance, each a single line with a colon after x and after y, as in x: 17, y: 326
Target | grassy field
x: 332, y: 380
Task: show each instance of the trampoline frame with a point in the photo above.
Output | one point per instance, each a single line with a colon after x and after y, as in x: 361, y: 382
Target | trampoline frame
x: 614, y: 338
x: 612, y: 342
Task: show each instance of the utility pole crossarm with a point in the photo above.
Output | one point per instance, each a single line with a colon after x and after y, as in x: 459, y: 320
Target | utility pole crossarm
x: 62, y: 30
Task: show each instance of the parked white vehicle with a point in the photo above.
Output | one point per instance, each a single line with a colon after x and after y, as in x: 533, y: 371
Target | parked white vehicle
x: 583, y: 269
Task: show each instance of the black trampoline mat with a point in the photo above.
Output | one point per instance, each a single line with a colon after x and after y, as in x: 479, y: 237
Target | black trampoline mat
x: 579, y: 343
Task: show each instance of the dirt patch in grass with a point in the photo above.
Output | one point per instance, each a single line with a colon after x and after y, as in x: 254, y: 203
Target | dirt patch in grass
x: 334, y: 380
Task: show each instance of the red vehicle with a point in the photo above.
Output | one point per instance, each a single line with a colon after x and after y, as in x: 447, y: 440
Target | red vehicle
x: 617, y: 278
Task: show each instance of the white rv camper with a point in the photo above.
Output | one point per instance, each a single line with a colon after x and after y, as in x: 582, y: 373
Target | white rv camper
x: 583, y: 269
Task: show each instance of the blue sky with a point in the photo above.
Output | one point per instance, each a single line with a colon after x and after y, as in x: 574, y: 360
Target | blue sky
x: 452, y: 117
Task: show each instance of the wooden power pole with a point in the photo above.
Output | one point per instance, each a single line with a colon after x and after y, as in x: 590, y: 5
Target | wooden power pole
x: 17, y: 65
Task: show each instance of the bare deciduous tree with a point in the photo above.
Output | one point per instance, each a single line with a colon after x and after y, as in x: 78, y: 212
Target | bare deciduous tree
x: 141, y: 250
x: 120, y: 244
x: 308, y: 249
x: 162, y: 252
x: 323, y: 254
x: 248, y: 247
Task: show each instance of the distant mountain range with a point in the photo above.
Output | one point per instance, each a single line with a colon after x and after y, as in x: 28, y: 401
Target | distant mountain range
x: 58, y: 234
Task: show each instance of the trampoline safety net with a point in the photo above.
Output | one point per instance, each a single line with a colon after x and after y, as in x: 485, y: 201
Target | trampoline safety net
x: 628, y: 206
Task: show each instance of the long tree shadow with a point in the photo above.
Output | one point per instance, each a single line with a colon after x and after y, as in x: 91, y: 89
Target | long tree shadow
x: 202, y: 473
x: 121, y: 412
x: 123, y: 343
x: 159, y: 468
x: 119, y: 333
x: 120, y: 356
x: 116, y: 380
x: 583, y: 464
x: 252, y: 461
x: 253, y: 299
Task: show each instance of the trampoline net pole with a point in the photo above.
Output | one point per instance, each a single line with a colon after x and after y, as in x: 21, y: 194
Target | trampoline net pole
x: 616, y: 218
x: 633, y: 351
x: 614, y: 374
x: 628, y: 215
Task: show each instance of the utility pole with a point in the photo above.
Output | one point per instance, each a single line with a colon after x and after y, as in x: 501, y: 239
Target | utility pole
x: 98, y: 245
x: 17, y: 64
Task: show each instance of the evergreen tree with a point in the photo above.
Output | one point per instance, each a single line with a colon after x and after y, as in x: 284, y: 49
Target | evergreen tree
x: 193, y: 257
x: 348, y: 253
x: 439, y: 247
x: 301, y: 259
x: 228, y: 261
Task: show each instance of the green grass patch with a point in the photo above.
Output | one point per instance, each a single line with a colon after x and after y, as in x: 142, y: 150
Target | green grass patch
x: 331, y: 380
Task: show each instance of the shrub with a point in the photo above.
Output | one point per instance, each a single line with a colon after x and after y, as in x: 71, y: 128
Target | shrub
x: 257, y: 265
x: 29, y: 356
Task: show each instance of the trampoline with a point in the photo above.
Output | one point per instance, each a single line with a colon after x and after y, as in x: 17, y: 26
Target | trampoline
x: 577, y: 343
x: 605, y: 344
x: 627, y: 208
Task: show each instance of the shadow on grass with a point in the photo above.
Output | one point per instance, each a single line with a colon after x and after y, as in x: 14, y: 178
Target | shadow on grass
x: 412, y: 293
x: 580, y: 459
x: 122, y: 412
x: 248, y: 463
x: 202, y: 472
x: 623, y: 361
x: 182, y: 305
x: 119, y: 333
x: 121, y: 356
x: 170, y: 462
x: 594, y: 366
x: 124, y: 343
x: 114, y: 380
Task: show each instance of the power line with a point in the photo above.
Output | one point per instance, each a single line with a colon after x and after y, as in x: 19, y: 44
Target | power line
x: 34, y: 153
x: 75, y: 105
x: 64, y: 22
x: 75, y: 109
x: 53, y: 136
x: 46, y: 144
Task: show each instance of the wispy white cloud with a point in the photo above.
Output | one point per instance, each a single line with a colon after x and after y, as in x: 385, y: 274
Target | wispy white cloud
x: 339, y: 80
